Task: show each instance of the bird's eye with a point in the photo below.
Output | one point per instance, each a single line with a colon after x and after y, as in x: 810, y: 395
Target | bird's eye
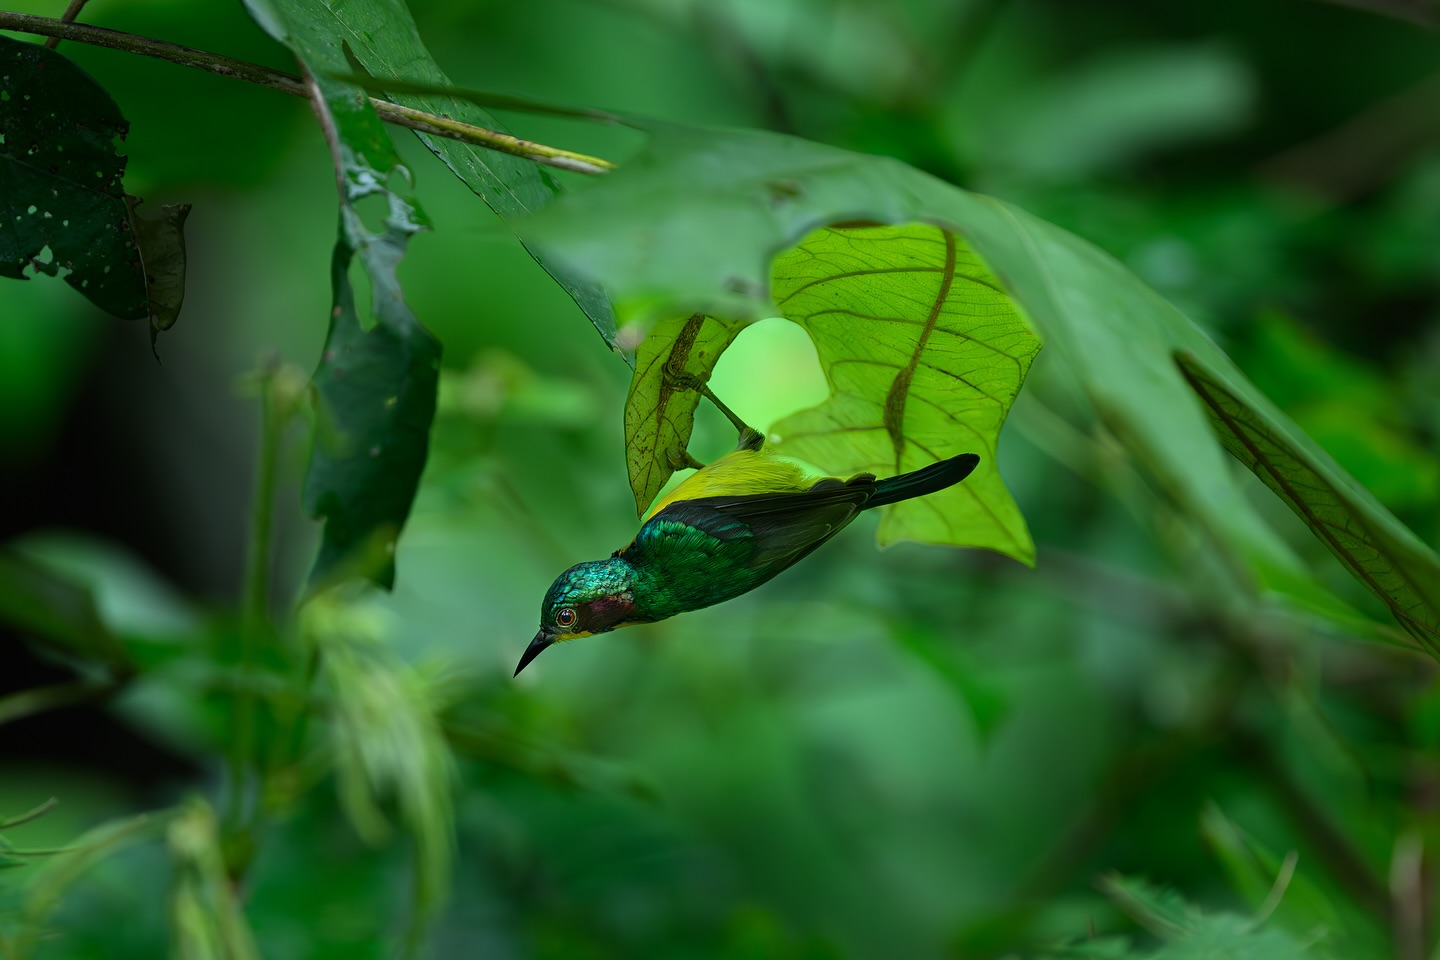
x: 565, y: 617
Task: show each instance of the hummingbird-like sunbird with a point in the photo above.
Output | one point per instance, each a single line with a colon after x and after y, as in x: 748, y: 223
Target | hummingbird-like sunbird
x: 724, y: 531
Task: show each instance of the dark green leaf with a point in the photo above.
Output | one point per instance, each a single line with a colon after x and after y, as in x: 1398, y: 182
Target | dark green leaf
x: 162, y: 250
x: 377, y: 390
x: 376, y: 381
x: 50, y: 607
x: 60, y: 189
x: 1377, y: 549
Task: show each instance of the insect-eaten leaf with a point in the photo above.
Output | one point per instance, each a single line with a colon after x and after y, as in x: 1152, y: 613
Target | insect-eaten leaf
x: 62, y: 193
x: 378, y: 376
x: 694, y: 222
x: 671, y: 367
x: 383, y: 40
x: 924, y: 353
x: 377, y: 391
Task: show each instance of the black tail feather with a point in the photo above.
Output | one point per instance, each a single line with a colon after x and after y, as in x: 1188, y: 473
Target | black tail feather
x: 926, y: 480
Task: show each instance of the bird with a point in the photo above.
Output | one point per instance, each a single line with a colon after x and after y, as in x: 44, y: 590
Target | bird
x: 725, y: 530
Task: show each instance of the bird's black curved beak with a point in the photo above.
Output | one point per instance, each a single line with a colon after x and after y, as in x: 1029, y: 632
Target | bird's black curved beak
x: 541, y: 641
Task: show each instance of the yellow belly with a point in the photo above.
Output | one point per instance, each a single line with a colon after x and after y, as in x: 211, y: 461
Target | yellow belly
x: 738, y: 473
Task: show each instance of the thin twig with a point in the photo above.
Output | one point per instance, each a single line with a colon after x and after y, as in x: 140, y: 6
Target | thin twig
x: 286, y: 83
x: 255, y: 603
x: 33, y: 814
x: 27, y: 703
x: 1278, y: 888
x: 69, y: 16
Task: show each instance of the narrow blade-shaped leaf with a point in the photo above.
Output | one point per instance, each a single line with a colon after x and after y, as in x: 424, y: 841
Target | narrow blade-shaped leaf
x: 1373, y: 546
x: 49, y: 606
x: 206, y: 917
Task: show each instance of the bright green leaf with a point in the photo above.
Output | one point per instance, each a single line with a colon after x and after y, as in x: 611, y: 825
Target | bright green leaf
x: 386, y: 742
x: 924, y: 353
x: 694, y: 223
x: 54, y: 878
x: 1298, y: 904
x: 1192, y: 934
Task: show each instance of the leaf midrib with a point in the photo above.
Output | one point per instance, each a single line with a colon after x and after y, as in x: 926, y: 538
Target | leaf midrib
x: 1317, y: 523
x: 894, y: 410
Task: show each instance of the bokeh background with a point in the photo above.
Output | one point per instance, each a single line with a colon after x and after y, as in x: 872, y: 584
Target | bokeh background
x: 920, y: 752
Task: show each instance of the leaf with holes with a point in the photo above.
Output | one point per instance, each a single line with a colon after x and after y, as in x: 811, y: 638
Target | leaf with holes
x: 671, y: 367
x: 924, y: 353
x: 382, y: 38
x: 60, y: 190
x: 696, y: 222
x: 376, y: 382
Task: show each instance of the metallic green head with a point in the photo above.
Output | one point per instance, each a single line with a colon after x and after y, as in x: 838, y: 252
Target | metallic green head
x: 589, y: 598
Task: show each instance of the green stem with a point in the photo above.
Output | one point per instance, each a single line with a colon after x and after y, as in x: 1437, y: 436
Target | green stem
x: 29, y: 815
x: 740, y: 425
x: 255, y: 604
x: 56, y: 696
x: 416, y: 120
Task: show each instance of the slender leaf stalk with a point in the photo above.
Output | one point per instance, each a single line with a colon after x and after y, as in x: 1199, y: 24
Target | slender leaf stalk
x: 34, y: 813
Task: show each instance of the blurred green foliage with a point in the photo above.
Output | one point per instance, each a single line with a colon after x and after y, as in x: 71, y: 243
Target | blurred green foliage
x: 919, y: 752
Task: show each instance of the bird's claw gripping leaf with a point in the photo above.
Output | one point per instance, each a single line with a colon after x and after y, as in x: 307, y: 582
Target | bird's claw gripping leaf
x: 722, y: 532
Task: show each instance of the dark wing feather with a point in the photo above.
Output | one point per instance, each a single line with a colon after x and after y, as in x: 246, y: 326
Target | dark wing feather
x: 784, y: 527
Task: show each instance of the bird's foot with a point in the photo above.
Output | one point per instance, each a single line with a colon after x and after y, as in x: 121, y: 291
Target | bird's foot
x: 750, y: 439
x: 680, y: 459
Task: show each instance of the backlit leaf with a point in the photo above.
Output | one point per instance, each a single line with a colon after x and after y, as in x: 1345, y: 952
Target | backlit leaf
x: 671, y: 366
x: 924, y: 353
x: 695, y: 223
